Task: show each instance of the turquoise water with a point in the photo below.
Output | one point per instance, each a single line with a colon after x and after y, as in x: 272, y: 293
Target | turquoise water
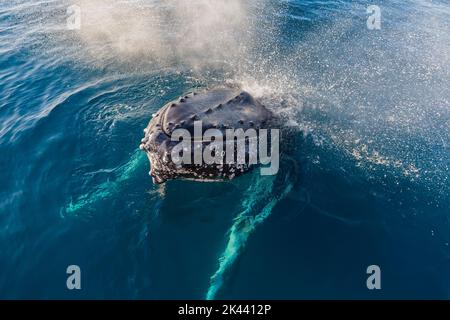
x: 365, y: 182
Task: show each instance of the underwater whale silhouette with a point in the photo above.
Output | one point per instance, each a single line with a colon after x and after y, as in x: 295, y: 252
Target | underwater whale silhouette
x: 220, y: 108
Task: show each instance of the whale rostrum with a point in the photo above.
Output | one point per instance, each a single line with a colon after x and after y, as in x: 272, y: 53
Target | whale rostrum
x: 219, y: 109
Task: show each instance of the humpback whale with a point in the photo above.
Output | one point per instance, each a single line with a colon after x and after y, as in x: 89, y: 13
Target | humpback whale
x: 220, y: 109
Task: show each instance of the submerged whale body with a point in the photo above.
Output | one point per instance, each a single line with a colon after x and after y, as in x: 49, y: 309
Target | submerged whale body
x: 220, y: 109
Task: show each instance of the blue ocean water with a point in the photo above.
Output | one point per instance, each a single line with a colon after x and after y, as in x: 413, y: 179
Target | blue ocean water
x: 366, y: 182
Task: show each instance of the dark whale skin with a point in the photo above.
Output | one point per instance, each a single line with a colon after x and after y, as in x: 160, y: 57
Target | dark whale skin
x: 219, y: 108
